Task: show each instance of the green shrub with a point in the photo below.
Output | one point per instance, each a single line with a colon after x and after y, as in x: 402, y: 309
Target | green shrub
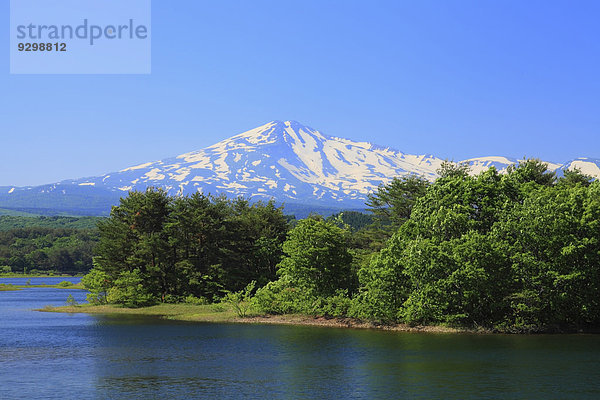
x: 71, y: 301
x: 240, y: 301
x: 97, y: 283
x: 279, y: 297
x: 199, y: 301
x: 65, y: 284
x: 333, y: 306
x: 172, y: 299
x: 129, y: 291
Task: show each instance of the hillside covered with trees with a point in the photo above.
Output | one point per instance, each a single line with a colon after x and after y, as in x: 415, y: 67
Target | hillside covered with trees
x: 514, y: 252
x: 33, y: 250
x: 8, y: 222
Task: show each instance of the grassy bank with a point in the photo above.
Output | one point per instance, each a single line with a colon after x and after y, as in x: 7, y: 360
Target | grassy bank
x: 225, y: 314
x: 58, y: 286
x: 8, y: 287
x: 179, y: 312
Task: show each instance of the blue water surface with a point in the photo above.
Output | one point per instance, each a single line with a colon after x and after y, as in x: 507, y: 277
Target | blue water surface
x: 78, y: 356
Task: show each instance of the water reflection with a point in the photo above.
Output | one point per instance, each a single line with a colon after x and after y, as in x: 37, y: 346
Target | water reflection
x: 47, y: 355
x: 48, y: 280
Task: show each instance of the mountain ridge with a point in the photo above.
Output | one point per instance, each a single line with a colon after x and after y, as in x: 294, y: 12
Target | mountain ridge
x: 284, y: 160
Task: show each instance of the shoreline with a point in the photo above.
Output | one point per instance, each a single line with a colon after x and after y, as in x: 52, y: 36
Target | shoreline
x: 4, y: 287
x: 222, y: 314
x: 15, y: 275
x: 350, y: 323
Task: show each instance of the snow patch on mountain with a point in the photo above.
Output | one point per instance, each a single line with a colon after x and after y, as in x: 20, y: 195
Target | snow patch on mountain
x: 587, y: 166
x: 289, y: 162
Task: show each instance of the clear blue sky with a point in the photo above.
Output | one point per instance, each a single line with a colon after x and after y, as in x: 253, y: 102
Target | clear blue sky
x: 456, y: 79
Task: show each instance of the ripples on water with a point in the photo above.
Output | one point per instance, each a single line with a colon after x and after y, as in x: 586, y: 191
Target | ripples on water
x: 61, y: 356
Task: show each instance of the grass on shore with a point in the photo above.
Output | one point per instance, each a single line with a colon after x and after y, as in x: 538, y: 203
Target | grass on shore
x: 225, y: 313
x: 179, y: 312
x: 78, y: 286
x: 8, y: 287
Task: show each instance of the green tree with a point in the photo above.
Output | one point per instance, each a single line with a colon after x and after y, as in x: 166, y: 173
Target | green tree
x: 317, y: 257
x: 552, y: 240
x: 383, y: 283
x: 394, y: 201
x: 71, y: 302
x: 134, y: 238
x: 97, y: 283
x: 201, y: 245
x: 532, y: 170
x: 441, y: 266
x: 129, y: 290
x: 198, y: 233
x: 456, y: 204
x: 240, y: 300
x: 452, y: 170
x: 573, y: 177
x: 254, y: 244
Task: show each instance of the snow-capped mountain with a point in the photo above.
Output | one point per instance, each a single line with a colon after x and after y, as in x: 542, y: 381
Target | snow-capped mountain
x: 480, y: 164
x: 287, y: 161
x: 587, y: 166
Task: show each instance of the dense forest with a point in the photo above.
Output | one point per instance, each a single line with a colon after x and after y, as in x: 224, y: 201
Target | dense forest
x: 155, y: 247
x: 34, y: 250
x: 513, y: 252
x: 13, y: 222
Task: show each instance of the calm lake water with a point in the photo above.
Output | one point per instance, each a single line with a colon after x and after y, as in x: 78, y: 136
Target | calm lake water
x: 61, y: 356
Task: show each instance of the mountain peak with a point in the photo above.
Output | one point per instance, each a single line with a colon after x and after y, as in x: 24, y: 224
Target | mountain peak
x: 288, y: 122
x: 285, y: 160
x: 282, y: 132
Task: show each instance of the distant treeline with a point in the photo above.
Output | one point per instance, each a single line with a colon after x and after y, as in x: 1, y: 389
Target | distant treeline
x: 58, y: 244
x: 513, y: 252
x: 12, y: 222
x: 48, y: 250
